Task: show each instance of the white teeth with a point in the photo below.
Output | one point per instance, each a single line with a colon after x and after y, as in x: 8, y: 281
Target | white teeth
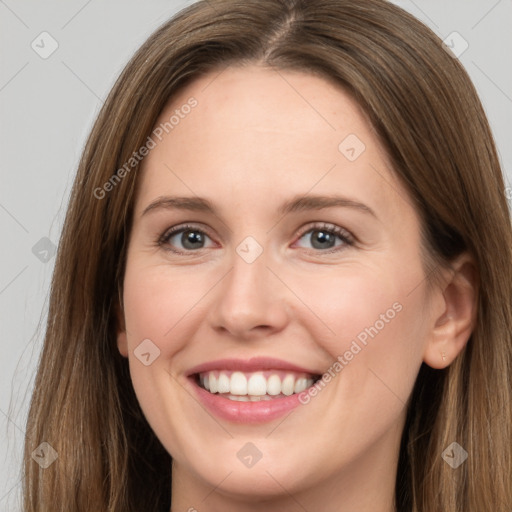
x: 287, y: 385
x: 273, y: 385
x: 239, y: 398
x: 300, y: 385
x: 223, y: 385
x: 253, y: 386
x: 238, y: 384
x: 257, y: 384
x: 248, y: 398
x: 213, y: 383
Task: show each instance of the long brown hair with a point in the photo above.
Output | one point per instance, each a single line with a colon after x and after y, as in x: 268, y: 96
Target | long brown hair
x: 425, y: 110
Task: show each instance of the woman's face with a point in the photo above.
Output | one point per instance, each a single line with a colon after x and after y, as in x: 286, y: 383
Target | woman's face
x: 296, y: 253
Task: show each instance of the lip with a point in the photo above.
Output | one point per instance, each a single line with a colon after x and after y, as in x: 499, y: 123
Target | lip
x: 250, y: 365
x: 246, y: 412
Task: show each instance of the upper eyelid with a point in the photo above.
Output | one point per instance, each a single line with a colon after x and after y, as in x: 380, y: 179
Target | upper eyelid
x: 173, y: 230
x: 328, y: 226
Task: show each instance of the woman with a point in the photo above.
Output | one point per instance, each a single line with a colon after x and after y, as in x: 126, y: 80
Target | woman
x: 252, y: 372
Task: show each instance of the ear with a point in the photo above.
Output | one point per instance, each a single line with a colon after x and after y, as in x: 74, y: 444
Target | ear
x: 456, y: 318
x: 122, y: 342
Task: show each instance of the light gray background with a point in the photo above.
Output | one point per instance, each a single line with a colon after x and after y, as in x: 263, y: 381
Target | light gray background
x: 47, y: 107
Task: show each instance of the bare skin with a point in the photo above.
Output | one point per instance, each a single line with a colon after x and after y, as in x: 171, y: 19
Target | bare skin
x: 251, y: 144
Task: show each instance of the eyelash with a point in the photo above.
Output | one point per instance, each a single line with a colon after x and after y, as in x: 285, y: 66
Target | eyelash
x: 346, y: 237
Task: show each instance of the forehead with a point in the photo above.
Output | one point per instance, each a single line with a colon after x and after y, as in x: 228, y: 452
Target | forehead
x: 253, y: 127
x: 270, y: 100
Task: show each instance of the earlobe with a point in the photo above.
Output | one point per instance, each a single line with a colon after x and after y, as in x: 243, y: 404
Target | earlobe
x: 122, y: 342
x: 452, y: 328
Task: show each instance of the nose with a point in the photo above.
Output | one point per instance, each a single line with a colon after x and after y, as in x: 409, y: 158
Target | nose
x: 250, y: 301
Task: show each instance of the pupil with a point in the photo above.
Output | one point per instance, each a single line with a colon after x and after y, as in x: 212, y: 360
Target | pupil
x: 323, y: 238
x: 191, y: 238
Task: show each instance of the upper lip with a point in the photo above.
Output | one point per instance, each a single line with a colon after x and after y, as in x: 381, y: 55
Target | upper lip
x: 250, y: 365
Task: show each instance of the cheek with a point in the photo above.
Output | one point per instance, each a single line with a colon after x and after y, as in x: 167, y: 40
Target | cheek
x: 159, y: 305
x: 370, y: 321
x: 159, y: 316
x: 359, y: 303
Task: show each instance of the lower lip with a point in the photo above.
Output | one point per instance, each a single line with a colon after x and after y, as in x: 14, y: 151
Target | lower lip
x: 246, y: 412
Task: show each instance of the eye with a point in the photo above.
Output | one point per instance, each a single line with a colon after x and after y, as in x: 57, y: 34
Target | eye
x: 323, y: 237
x: 190, y: 237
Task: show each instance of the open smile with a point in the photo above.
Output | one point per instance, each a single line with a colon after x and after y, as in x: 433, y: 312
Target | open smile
x: 254, y: 386
x: 253, y: 391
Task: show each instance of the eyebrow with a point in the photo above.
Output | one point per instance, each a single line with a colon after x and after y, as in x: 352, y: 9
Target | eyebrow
x: 296, y: 204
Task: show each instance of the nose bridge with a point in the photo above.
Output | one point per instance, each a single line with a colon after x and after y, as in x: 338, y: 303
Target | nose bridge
x: 251, y: 297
